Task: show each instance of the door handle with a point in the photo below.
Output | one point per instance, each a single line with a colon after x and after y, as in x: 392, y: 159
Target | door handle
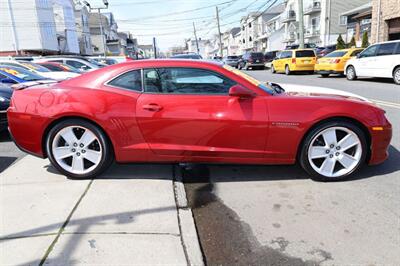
x: 153, y: 107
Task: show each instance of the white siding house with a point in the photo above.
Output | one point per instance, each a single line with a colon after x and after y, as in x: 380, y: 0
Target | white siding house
x: 27, y: 29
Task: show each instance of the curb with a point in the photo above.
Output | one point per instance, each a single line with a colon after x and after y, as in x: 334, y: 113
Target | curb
x: 187, y: 227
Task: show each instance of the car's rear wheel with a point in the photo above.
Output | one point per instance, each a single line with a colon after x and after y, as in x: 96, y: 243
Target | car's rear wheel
x: 78, y: 149
x: 351, y: 73
x: 396, y: 76
x: 334, y: 150
x: 273, y: 71
x: 287, y: 70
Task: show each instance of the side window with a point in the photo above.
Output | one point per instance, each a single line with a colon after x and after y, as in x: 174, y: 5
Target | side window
x: 370, y: 51
x: 77, y: 64
x: 131, y: 80
x: 398, y: 48
x: 186, y: 81
x: 386, y: 48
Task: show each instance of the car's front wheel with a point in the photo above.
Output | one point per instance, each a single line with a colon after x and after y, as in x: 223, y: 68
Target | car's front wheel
x: 396, y: 76
x: 351, y: 73
x: 334, y: 150
x: 273, y: 71
x: 78, y: 149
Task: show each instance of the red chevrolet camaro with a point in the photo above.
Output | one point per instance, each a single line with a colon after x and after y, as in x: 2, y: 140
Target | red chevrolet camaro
x: 193, y: 111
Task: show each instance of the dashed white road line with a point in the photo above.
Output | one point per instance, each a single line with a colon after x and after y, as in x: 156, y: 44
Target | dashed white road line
x: 388, y: 104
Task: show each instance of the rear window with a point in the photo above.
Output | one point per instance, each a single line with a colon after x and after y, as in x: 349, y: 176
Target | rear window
x: 336, y: 54
x: 257, y: 55
x: 305, y: 53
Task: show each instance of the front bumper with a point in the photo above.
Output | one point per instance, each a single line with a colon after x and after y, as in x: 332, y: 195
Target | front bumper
x: 380, y: 143
x: 3, y: 120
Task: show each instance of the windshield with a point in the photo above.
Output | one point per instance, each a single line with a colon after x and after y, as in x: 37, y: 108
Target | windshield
x: 34, y: 66
x: 21, y: 73
x: 336, y: 54
x: 250, y: 79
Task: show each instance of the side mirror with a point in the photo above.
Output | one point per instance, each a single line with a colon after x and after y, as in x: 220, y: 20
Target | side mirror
x: 7, y: 80
x: 241, y: 92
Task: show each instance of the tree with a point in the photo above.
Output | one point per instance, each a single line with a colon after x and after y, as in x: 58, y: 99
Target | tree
x: 365, y: 42
x: 352, y: 42
x: 340, y: 43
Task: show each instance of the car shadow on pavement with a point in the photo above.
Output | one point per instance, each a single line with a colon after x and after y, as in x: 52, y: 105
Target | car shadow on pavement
x: 6, y: 161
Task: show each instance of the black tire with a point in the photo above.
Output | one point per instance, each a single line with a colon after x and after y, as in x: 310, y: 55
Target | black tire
x: 396, y: 75
x: 351, y: 73
x: 324, y: 75
x: 303, y: 157
x: 239, y: 66
x: 273, y: 71
x: 107, y: 156
x: 287, y: 70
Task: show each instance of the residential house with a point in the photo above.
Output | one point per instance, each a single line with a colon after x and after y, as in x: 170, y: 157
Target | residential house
x: 249, y: 31
x: 64, y: 19
x: 261, y: 40
x: 27, y: 30
x: 106, y: 24
x: 146, y: 50
x: 385, y: 20
x: 230, y: 42
x: 275, y: 32
x: 358, y: 21
x: 192, y: 46
x: 322, y: 20
x: 82, y: 28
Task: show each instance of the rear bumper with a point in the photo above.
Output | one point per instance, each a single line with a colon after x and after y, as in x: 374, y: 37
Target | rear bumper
x: 298, y: 67
x: 328, y: 72
x: 380, y: 143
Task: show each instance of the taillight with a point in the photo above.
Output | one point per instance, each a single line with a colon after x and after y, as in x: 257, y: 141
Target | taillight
x: 335, y: 61
x: 293, y: 60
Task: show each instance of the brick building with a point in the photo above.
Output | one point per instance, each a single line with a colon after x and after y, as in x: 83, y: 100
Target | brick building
x: 385, y: 20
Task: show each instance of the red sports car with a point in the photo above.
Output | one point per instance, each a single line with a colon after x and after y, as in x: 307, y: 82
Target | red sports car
x: 193, y: 111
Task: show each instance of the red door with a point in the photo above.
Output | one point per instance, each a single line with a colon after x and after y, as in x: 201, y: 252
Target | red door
x: 174, y: 122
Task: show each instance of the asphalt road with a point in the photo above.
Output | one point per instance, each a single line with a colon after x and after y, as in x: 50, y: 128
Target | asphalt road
x: 9, y: 153
x: 275, y: 215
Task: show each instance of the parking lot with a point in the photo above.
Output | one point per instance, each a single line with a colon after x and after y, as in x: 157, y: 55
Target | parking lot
x: 244, y: 215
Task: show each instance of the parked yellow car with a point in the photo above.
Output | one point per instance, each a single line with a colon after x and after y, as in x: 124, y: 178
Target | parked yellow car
x: 334, y: 62
x: 289, y: 61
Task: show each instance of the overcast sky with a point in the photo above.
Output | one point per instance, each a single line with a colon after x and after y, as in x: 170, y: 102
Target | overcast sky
x: 170, y: 21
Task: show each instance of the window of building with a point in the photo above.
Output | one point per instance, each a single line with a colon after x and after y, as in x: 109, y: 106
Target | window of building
x: 250, y: 25
x: 185, y: 81
x: 131, y: 80
x: 342, y: 20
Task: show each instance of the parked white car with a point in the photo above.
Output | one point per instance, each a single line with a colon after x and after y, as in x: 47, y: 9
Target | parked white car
x: 81, y: 64
x: 380, y: 60
x: 38, y: 69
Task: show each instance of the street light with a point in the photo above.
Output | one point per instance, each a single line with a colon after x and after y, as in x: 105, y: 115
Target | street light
x: 105, y: 2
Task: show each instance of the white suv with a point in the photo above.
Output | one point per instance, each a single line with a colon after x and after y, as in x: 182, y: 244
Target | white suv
x: 380, y: 60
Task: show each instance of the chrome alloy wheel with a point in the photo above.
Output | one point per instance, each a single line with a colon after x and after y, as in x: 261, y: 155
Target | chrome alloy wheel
x: 350, y: 73
x: 335, y: 151
x: 77, y: 149
x: 397, y: 76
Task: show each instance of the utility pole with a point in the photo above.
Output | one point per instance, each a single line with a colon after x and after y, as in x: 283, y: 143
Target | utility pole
x: 103, y: 39
x: 301, y: 25
x: 16, y: 46
x: 154, y: 47
x: 195, y: 36
x: 219, y: 33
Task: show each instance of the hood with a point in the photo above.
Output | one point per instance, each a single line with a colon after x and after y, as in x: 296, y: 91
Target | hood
x: 313, y: 91
x: 59, y: 75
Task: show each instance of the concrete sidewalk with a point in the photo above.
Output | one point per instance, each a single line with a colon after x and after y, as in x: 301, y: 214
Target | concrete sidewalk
x: 133, y: 214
